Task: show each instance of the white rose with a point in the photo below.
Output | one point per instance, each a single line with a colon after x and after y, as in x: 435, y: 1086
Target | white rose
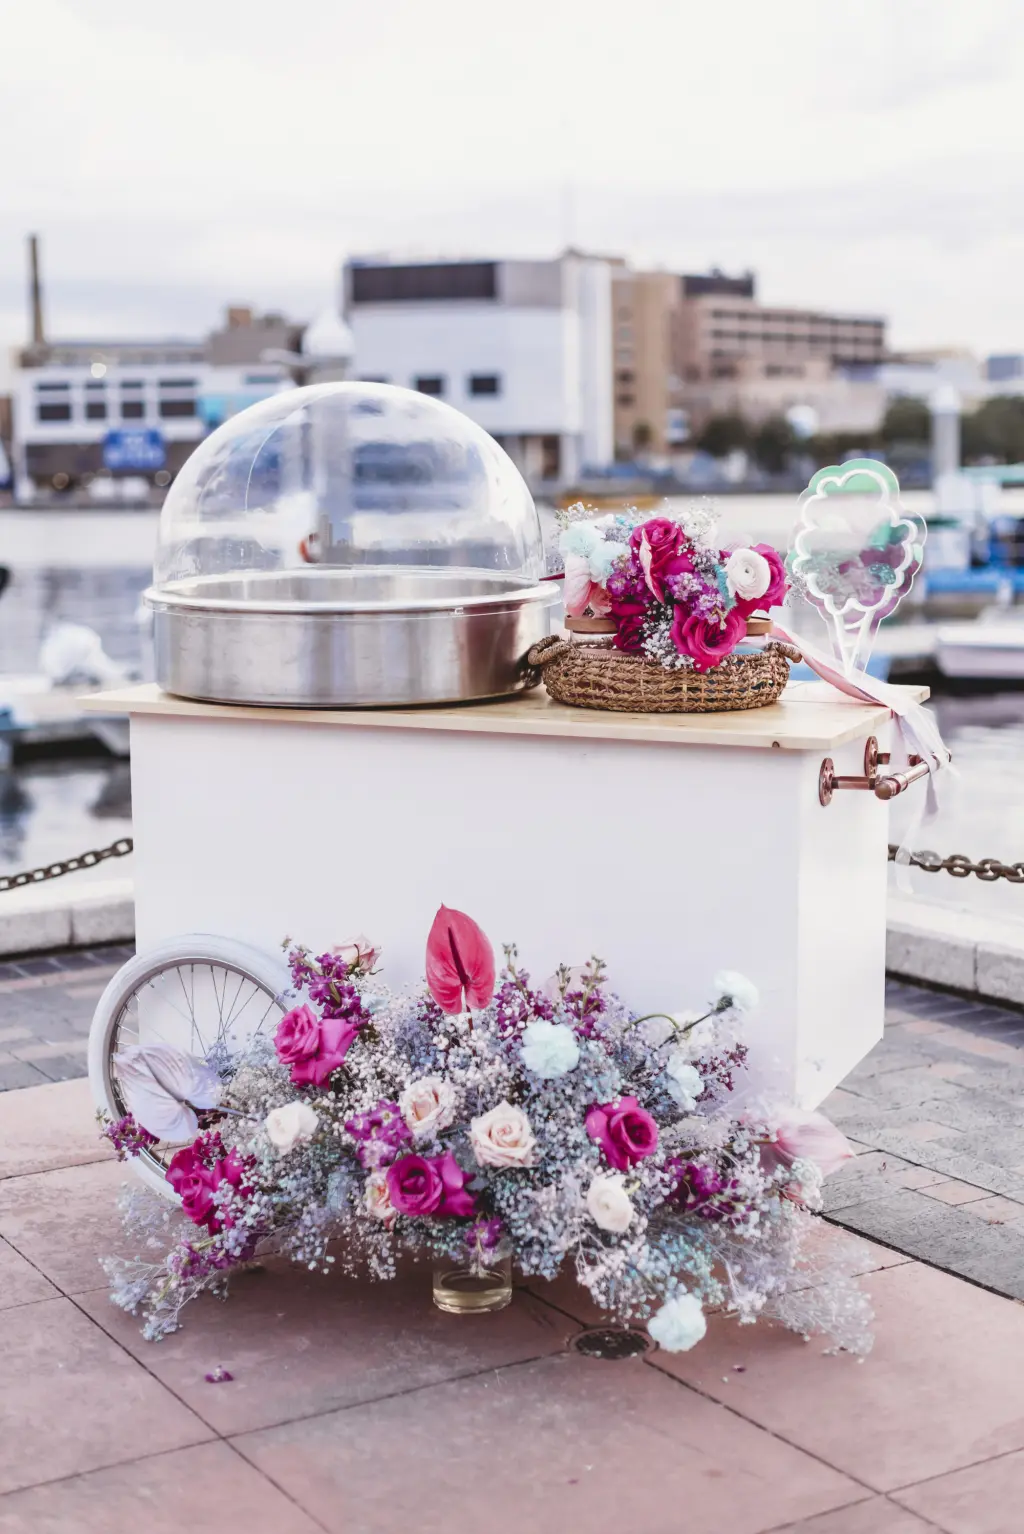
x: 740, y: 992
x: 549, y: 1050
x: 502, y: 1137
x: 377, y: 1198
x: 685, y: 1081
x: 428, y: 1105
x: 609, y: 1204
x: 749, y: 574
x: 288, y: 1125
x: 679, y: 1324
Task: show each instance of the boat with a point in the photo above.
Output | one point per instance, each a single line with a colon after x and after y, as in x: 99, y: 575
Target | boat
x: 990, y: 649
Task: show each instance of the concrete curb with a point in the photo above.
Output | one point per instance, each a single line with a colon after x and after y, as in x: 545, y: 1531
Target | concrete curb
x: 980, y: 955
x: 54, y: 915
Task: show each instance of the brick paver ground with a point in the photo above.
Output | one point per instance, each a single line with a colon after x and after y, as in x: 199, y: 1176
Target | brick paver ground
x: 46, y: 1006
x: 934, y: 1112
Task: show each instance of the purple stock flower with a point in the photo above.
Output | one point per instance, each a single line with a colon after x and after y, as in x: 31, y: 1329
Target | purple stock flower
x: 381, y: 1134
x: 702, y: 1191
x: 485, y: 1234
x: 127, y: 1137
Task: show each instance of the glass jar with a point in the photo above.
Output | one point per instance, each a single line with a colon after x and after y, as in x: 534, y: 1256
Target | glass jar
x: 478, y: 1280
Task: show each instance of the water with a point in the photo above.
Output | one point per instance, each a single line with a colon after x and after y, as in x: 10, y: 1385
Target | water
x: 91, y: 567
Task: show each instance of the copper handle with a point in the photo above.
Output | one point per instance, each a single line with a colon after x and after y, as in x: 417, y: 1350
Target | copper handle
x: 898, y: 782
x: 883, y: 788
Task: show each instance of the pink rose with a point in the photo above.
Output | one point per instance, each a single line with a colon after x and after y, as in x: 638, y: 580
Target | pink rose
x: 336, y: 1036
x: 706, y: 643
x: 625, y: 1131
x: 802, y: 1135
x: 657, y: 545
x: 298, y: 1035
x: 422, y: 1185
x: 629, y: 613
x: 192, y: 1183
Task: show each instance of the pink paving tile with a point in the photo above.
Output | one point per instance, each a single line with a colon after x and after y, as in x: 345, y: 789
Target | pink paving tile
x: 935, y: 1394
x: 877, y: 1516
x: 985, y: 1499
x: 209, y: 1487
x: 20, y: 1282
x: 51, y: 1126
x: 553, y: 1447
x: 64, y: 1221
x: 953, y: 1192
x: 298, y: 1343
x: 71, y: 1400
x: 997, y: 1210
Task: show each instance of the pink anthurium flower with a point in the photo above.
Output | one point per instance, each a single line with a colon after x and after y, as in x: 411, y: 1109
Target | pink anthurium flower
x: 581, y: 591
x: 801, y: 1135
x: 460, y: 962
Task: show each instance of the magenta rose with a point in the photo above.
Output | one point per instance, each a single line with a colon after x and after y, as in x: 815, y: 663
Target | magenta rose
x: 193, y: 1184
x: 422, y: 1185
x: 629, y: 616
x: 298, y: 1035
x: 625, y: 1131
x: 778, y: 586
x: 335, y: 1038
x: 708, y: 643
x: 657, y: 545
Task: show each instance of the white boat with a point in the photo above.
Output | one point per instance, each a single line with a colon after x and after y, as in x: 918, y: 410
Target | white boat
x: 991, y: 649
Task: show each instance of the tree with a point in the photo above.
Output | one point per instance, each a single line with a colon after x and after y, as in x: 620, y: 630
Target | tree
x: 995, y: 430
x: 774, y: 442
x: 907, y: 420
x: 723, y: 434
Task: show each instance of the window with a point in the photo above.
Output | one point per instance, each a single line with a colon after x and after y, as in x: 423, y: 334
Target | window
x: 484, y: 383
x: 261, y: 378
x: 46, y: 411
x: 177, y: 383
x: 132, y: 410
x: 625, y: 400
x: 432, y: 384
x: 131, y: 383
x: 52, y: 388
x: 437, y: 282
x: 624, y: 376
x: 95, y: 410
x: 177, y: 407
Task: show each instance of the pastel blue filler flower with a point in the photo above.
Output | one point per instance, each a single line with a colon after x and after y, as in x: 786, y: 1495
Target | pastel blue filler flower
x: 679, y: 1324
x: 549, y: 1049
x: 580, y: 538
x: 738, y: 990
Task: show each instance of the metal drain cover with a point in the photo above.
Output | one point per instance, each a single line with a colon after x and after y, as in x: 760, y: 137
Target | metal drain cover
x: 611, y: 1342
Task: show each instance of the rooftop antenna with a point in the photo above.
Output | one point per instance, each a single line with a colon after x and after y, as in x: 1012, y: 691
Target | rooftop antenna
x: 38, y: 337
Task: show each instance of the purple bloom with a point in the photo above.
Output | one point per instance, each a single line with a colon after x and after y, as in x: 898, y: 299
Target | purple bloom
x: 381, y: 1134
x: 516, y: 1004
x: 127, y: 1137
x: 485, y: 1234
x: 702, y: 1191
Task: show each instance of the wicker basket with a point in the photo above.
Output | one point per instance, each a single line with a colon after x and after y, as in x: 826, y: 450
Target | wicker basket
x: 591, y: 676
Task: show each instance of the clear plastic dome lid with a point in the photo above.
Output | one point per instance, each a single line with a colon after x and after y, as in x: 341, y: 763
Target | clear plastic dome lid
x: 348, y: 474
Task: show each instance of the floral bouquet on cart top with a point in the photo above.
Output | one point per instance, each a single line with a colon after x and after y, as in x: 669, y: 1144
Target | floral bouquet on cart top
x: 484, y: 1119
x: 662, y: 618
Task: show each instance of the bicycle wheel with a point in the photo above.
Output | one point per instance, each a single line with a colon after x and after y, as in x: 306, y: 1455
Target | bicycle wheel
x: 195, y: 992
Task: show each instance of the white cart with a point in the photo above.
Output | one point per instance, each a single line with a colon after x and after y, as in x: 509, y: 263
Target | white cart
x: 671, y: 845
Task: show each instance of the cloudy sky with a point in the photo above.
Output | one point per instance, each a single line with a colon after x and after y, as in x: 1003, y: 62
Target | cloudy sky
x: 865, y: 155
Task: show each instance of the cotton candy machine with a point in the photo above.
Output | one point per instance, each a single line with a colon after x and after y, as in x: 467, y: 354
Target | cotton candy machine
x: 348, y: 545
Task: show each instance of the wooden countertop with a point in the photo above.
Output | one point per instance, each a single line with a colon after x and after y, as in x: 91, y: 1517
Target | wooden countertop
x: 810, y: 716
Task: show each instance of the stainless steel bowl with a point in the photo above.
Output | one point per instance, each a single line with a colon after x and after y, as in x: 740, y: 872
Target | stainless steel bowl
x: 361, y: 637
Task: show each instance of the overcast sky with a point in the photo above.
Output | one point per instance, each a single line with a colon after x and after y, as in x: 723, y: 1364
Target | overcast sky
x: 866, y: 155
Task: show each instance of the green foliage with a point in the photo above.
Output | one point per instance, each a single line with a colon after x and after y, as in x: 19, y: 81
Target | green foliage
x: 774, y: 442
x: 907, y: 420
x: 995, y: 430
x: 723, y: 434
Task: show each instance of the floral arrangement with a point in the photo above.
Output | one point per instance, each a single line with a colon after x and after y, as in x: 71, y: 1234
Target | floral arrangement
x: 674, y: 596
x: 480, y: 1110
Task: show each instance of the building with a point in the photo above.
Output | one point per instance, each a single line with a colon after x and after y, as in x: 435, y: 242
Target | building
x: 693, y: 346
x: 522, y: 347
x: 93, y: 413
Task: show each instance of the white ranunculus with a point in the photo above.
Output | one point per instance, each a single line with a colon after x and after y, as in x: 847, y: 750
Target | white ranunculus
x: 609, y: 1204
x: 679, y: 1324
x: 377, y: 1198
x: 742, y: 992
x: 428, y: 1105
x: 502, y: 1137
x: 286, y: 1127
x: 684, y: 1080
x: 548, y: 1049
x: 749, y: 574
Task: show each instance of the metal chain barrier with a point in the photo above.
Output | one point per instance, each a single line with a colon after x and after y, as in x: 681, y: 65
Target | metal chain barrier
x: 988, y: 870
x: 118, y: 849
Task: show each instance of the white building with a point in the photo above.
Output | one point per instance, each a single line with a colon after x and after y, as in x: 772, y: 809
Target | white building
x: 522, y: 347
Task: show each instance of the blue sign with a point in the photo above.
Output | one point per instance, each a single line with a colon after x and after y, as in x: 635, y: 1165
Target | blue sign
x: 139, y: 451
